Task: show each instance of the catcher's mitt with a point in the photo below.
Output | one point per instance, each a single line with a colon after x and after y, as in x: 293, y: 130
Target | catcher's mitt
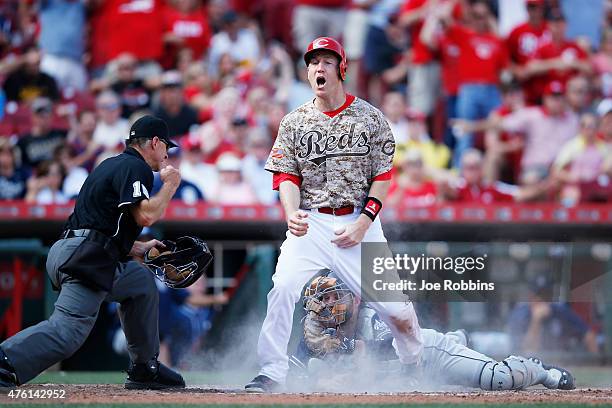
x: 181, y: 263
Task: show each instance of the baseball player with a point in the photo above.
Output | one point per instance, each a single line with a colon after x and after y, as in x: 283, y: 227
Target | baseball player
x: 339, y: 331
x: 331, y: 162
x: 87, y: 266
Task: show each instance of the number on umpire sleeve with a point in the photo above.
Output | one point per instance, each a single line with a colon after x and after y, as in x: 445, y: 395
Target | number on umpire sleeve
x: 137, y: 191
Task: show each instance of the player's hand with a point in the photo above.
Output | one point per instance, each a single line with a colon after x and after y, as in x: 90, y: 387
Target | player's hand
x: 170, y: 175
x: 297, y: 223
x: 351, y: 234
x: 140, y: 248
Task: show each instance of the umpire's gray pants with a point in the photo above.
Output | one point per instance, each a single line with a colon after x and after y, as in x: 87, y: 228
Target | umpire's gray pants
x: 38, y: 347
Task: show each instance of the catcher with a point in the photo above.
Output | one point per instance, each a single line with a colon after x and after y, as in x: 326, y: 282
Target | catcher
x: 341, y: 333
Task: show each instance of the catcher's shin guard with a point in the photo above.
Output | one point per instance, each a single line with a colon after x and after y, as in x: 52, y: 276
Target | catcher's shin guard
x: 513, y: 373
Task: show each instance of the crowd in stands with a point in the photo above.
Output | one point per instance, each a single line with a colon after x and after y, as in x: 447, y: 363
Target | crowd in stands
x: 489, y: 101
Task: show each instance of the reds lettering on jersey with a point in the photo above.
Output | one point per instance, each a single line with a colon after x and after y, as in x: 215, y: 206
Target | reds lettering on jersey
x: 336, y: 157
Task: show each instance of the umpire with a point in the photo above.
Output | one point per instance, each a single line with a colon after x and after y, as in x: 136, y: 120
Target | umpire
x: 89, y: 265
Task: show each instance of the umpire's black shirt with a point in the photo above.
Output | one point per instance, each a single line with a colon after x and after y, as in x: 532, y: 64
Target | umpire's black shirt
x: 104, y: 200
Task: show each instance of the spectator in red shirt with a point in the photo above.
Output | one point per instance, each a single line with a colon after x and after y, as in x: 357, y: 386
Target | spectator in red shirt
x: 483, y: 57
x: 119, y: 26
x: 558, y: 59
x: 413, y: 189
x: 471, y: 187
x: 424, y: 76
x: 185, y: 28
x: 448, y: 53
x: 504, y: 150
x: 524, y: 41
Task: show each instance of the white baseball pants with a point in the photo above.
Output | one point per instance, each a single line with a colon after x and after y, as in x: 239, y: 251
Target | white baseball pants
x: 300, y: 259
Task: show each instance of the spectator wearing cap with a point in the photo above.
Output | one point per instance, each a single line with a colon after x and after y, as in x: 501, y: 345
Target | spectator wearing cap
x: 541, y: 324
x: 28, y: 82
x: 13, y: 179
x: 317, y: 18
x: 111, y: 128
x: 546, y: 129
x: 482, y: 59
x: 62, y: 41
x: 581, y: 160
x: 258, y: 148
x: 412, y: 188
x: 185, y: 28
x: 187, y: 192
x: 134, y: 92
x: 194, y: 170
x: 472, y: 187
x: 172, y: 108
x: 523, y: 43
x: 558, y: 59
x: 38, y: 145
x: 237, y: 40
x: 232, y: 189
x: 424, y: 76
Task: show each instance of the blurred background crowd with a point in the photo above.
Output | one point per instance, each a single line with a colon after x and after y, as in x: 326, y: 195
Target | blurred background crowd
x: 488, y: 100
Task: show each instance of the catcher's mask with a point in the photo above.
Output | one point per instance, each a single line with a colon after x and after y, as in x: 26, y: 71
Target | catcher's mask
x: 181, y: 263
x: 329, y: 298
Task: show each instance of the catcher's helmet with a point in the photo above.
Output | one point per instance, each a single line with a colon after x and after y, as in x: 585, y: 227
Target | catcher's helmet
x: 329, y: 44
x: 329, y: 298
x: 182, y: 262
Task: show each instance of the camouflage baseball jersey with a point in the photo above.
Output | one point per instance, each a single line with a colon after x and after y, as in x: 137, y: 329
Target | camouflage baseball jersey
x: 337, y: 157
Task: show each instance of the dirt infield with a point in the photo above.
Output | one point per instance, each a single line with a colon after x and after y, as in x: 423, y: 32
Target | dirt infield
x: 116, y: 394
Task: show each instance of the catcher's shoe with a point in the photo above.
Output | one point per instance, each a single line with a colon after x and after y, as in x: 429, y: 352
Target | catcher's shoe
x: 152, y: 375
x: 558, y: 378
x: 8, y: 378
x: 261, y: 384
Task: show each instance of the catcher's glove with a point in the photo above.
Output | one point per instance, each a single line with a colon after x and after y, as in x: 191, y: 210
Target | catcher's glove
x: 181, y: 263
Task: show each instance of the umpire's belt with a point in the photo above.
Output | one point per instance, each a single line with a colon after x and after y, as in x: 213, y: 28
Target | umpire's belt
x: 93, y: 235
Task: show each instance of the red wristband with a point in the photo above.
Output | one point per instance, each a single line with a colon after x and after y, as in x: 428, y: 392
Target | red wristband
x: 371, y: 207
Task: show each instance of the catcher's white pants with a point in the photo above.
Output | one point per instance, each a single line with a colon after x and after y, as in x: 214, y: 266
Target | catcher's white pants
x: 300, y: 259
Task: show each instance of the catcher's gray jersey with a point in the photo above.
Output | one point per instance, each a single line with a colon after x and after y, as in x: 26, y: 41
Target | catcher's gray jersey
x: 337, y: 157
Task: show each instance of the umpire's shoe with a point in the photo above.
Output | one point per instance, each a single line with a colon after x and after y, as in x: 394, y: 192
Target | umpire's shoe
x: 8, y: 378
x: 152, y: 375
x: 558, y: 378
x: 262, y: 383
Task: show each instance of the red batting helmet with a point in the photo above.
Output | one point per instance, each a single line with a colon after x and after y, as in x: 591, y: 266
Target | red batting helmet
x: 329, y: 44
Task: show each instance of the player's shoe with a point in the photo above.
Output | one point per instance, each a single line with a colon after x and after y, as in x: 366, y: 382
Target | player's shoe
x: 152, y: 375
x: 261, y: 384
x: 558, y: 378
x: 8, y: 378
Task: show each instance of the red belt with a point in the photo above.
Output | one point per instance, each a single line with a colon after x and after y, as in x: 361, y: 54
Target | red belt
x: 347, y: 209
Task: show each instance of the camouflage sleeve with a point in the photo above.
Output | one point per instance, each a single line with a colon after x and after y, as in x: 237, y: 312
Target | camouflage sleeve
x: 282, y: 157
x: 318, y: 342
x: 383, y: 147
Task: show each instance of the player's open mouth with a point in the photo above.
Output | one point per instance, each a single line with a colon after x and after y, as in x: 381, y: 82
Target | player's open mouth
x: 320, y: 81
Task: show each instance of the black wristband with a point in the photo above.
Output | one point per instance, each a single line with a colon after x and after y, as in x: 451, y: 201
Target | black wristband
x: 372, y: 207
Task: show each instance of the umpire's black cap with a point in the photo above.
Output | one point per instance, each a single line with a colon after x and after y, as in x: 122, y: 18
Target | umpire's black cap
x: 148, y: 127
